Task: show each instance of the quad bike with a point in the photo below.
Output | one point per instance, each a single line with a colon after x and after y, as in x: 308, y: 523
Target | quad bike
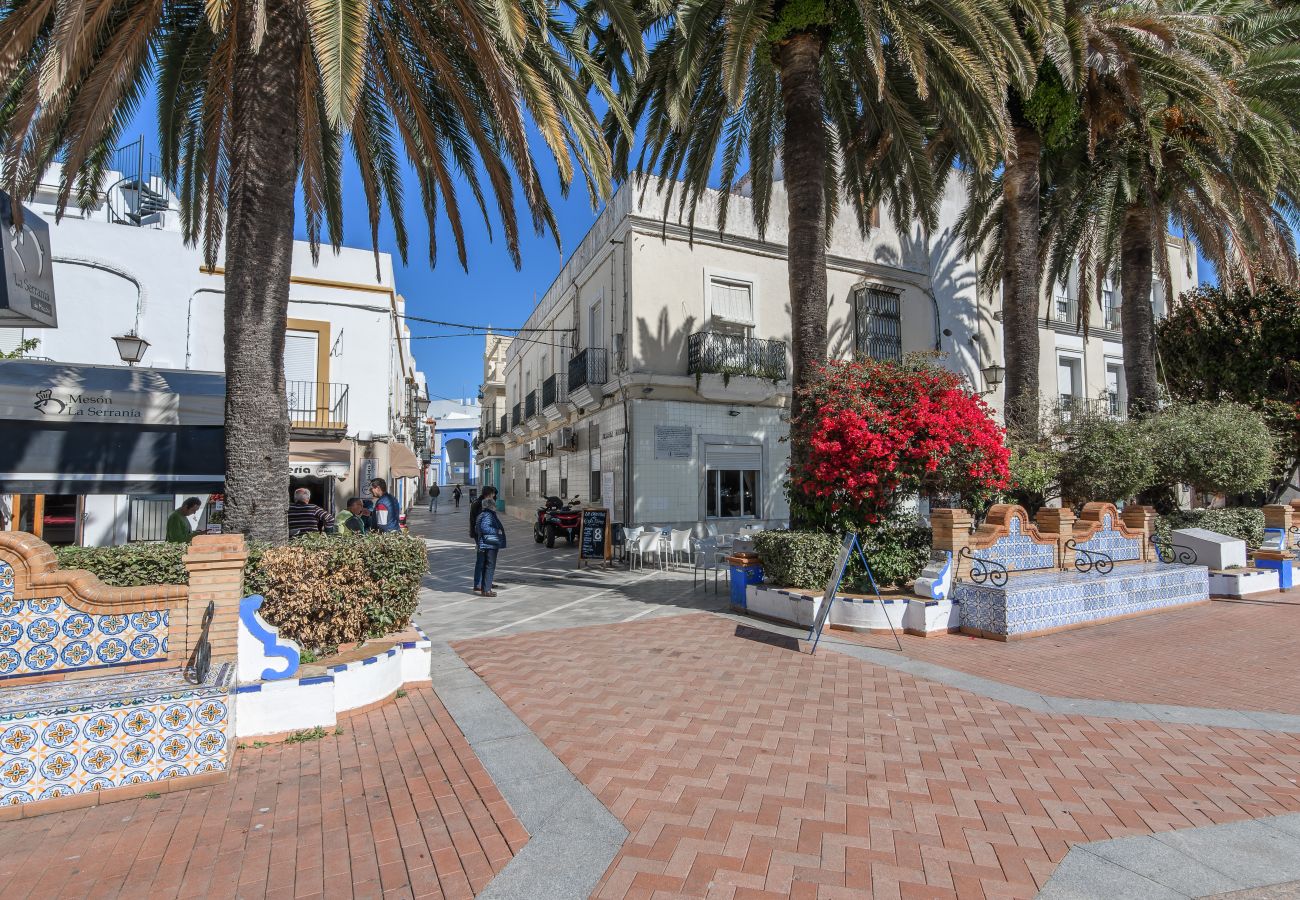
x: 555, y: 518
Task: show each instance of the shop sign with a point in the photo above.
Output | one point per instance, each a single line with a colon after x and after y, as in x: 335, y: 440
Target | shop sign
x: 49, y: 392
x: 318, y: 469
x: 27, y: 299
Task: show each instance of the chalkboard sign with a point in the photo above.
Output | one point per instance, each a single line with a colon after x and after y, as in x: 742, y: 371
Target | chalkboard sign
x: 595, y: 542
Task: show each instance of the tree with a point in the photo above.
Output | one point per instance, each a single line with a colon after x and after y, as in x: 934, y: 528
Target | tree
x: 1217, y: 448
x: 878, y: 432
x: 870, y: 101
x: 1104, y: 459
x: 1208, y: 145
x: 1234, y: 344
x: 257, y: 96
x: 23, y: 348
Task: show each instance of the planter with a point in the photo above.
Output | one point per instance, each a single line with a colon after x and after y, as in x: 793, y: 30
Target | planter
x: 1243, y: 582
x: 794, y: 607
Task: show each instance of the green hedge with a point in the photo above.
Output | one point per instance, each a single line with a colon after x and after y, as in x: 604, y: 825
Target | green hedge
x: 322, y: 590
x: 804, y: 559
x: 1246, y: 523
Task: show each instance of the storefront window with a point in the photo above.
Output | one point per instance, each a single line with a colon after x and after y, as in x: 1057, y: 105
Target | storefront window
x: 732, y: 493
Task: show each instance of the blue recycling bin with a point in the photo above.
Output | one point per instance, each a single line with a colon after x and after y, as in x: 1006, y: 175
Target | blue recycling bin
x: 741, y: 577
x: 1285, y: 571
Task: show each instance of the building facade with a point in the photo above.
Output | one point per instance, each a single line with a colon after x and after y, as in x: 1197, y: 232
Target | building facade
x: 350, y: 376
x: 454, y: 425
x: 494, y: 414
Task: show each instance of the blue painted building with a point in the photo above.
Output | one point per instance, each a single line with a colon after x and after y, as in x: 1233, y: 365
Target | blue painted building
x: 452, y: 459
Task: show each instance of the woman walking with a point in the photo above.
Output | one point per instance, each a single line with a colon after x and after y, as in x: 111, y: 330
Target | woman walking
x: 489, y: 537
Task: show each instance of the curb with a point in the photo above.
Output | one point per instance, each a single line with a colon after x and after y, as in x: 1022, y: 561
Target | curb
x: 572, y: 837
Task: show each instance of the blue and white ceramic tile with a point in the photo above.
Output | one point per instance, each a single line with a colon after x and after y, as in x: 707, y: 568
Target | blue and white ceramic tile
x: 1018, y: 551
x: 45, y: 635
x: 1110, y: 540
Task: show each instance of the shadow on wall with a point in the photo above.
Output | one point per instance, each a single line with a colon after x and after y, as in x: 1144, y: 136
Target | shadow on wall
x: 664, y: 350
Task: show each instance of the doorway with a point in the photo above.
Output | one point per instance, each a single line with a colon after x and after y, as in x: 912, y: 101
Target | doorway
x: 54, y: 518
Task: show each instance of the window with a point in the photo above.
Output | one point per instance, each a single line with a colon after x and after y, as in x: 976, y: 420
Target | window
x: 1116, y: 391
x: 1064, y: 309
x: 731, y: 480
x: 1110, y: 313
x: 731, y: 300
x: 544, y: 494
x: 528, y: 485
x: 594, y: 493
x: 147, y: 516
x: 595, y: 334
x: 878, y: 324
x: 1069, y: 383
x: 300, y: 356
x: 564, y: 488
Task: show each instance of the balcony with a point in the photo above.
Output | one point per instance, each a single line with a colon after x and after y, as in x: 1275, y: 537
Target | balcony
x: 1065, y: 310
x: 317, y: 405
x: 555, y: 398
x: 734, y: 368
x: 588, y: 372
x: 505, y: 425
x: 517, y: 420
x: 532, y: 412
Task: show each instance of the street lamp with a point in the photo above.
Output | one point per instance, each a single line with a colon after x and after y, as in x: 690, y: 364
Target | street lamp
x: 131, y: 347
x: 992, y: 376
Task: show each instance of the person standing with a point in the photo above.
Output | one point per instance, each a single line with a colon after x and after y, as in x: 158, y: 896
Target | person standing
x: 387, y: 512
x: 455, y: 495
x: 306, y: 517
x: 434, y: 491
x: 178, y: 523
x: 354, y: 518
x: 490, y: 538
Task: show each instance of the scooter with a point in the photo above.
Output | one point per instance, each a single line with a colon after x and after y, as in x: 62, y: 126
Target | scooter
x: 556, y: 518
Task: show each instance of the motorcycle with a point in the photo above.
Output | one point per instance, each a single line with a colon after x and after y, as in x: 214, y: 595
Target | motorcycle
x: 555, y: 518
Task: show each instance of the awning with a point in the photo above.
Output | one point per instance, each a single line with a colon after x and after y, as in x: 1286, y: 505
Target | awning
x: 402, y: 462
x: 100, y: 458
x: 51, y: 392
x: 319, y: 460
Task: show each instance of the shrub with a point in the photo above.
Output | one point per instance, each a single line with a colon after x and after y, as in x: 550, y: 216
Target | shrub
x: 1105, y: 459
x: 1035, y: 475
x: 1221, y: 448
x: 131, y: 565
x: 1239, y: 522
x: 897, y: 551
x: 322, y: 590
x: 878, y: 431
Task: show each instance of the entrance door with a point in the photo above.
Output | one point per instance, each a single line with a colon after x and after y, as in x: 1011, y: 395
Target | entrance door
x: 54, y: 518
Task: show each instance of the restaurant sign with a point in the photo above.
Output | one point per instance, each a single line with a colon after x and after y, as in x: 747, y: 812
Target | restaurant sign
x: 56, y: 393
x: 27, y: 269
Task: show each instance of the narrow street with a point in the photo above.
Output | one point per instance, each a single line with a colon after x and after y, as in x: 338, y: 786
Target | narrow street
x: 539, y: 588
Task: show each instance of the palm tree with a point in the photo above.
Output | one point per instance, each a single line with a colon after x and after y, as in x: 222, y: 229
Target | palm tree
x: 257, y: 96
x: 1096, y: 60
x: 871, y: 101
x: 1211, y: 150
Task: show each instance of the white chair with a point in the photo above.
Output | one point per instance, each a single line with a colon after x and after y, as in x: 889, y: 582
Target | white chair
x: 647, y: 542
x: 630, y: 536
x: 706, y: 559
x: 679, y: 542
x: 711, y: 531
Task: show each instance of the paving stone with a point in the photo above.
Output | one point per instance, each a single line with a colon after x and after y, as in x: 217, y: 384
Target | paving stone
x: 1085, y: 876
x: 1163, y: 864
x: 1250, y: 853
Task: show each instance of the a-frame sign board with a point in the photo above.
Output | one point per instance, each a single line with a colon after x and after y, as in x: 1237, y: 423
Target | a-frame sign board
x: 832, y: 587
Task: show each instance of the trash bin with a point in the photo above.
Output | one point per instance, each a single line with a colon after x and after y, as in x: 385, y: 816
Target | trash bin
x: 746, y: 569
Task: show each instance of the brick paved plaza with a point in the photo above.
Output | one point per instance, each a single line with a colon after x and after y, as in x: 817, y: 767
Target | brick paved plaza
x: 619, y: 734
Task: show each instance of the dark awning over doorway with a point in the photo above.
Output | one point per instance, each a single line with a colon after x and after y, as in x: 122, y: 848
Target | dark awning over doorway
x: 97, y: 458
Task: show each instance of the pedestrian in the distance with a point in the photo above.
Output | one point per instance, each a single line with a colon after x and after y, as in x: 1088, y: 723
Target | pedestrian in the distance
x: 434, y: 491
x: 455, y: 495
x: 386, y: 515
x: 178, y: 523
x: 490, y: 539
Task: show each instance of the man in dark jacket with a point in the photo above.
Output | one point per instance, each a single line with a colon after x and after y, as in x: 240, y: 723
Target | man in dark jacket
x: 489, y: 536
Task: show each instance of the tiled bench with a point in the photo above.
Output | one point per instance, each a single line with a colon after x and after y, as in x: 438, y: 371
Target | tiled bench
x: 1017, y: 579
x: 96, y: 692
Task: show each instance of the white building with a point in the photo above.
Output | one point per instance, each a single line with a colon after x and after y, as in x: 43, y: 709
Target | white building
x: 651, y: 378
x: 351, y: 377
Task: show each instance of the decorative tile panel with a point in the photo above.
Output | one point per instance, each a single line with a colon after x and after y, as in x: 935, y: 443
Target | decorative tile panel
x: 1017, y: 550
x: 45, y: 635
x: 1111, y: 541
x: 92, y: 734
x: 1033, y: 603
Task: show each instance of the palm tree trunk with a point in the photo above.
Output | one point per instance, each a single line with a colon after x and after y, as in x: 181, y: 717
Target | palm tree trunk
x: 1021, y: 282
x: 804, y: 162
x: 1137, y: 320
x: 259, y: 251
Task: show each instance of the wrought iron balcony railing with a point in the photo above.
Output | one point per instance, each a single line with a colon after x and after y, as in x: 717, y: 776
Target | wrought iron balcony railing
x: 554, y: 390
x: 713, y: 353
x: 515, y: 415
x: 505, y: 424
x: 589, y: 366
x: 317, y: 404
x: 530, y: 405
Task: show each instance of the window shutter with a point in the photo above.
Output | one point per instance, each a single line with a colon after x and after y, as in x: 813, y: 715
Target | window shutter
x: 731, y: 301
x: 733, y: 456
x: 300, y: 355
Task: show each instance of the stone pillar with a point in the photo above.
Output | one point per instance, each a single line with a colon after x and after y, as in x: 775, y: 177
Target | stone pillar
x: 1143, y: 519
x: 1278, y: 515
x: 1058, y: 523
x: 216, y: 566
x: 951, y: 530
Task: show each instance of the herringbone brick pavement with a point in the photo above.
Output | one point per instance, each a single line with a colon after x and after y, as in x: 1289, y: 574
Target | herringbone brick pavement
x: 743, y: 768
x: 395, y: 806
x: 1231, y: 654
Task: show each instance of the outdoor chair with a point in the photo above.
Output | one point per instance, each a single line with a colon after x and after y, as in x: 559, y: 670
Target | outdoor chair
x: 679, y: 542
x: 647, y: 542
x: 706, y: 560
x: 630, y: 537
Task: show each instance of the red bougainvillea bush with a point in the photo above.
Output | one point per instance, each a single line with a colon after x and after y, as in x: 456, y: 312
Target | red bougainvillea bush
x: 879, y: 432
